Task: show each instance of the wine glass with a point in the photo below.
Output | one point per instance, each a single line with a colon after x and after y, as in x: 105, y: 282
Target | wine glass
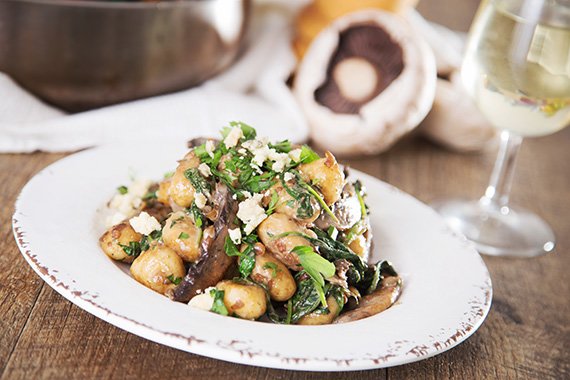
x: 517, y: 70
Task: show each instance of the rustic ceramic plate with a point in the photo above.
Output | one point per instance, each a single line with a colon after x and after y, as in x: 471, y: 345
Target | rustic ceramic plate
x: 446, y: 296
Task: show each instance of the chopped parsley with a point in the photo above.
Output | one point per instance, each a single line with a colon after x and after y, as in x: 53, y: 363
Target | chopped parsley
x: 122, y: 190
x: 246, y: 258
x: 149, y: 195
x: 218, y: 305
x: 132, y: 249
x: 197, y: 215
x: 135, y: 248
x: 198, y: 182
x: 272, y: 267
x: 174, y: 280
x: 272, y: 203
x: 183, y: 235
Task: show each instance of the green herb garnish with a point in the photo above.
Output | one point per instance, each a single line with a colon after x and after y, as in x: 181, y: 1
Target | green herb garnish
x: 246, y: 258
x: 359, y: 195
x: 197, y: 215
x: 282, y: 146
x: 272, y: 203
x: 132, y: 249
x: 218, y: 305
x: 308, y: 155
x: 317, y: 267
x: 149, y: 195
x: 174, y: 280
x: 198, y: 182
x: 322, y: 202
x: 272, y: 267
x: 183, y: 235
x: 249, y: 132
x: 122, y: 190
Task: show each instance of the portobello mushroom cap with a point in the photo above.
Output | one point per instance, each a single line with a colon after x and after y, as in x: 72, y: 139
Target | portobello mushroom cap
x: 213, y: 263
x: 365, y: 81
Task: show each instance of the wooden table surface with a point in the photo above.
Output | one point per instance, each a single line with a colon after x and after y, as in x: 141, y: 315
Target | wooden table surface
x: 526, y: 334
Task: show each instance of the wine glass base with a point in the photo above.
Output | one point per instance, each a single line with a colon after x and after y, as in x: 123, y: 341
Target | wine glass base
x: 508, y: 231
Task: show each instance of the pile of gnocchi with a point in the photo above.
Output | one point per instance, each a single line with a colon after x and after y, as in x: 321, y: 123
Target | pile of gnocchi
x: 253, y: 229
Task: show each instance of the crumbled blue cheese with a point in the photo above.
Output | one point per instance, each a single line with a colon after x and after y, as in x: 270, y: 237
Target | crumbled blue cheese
x: 203, y: 301
x: 204, y: 170
x: 233, y: 137
x: 200, y: 200
x: 251, y: 213
x: 262, y: 152
x: 281, y: 160
x: 288, y: 176
x: 126, y: 205
x: 144, y: 223
x: 295, y: 155
x: 210, y: 147
x: 235, y: 235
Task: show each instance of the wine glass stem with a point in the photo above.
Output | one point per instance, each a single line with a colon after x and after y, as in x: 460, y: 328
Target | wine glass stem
x: 499, y: 188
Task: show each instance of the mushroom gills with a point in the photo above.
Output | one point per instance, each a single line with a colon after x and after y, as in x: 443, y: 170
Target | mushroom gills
x: 366, y: 61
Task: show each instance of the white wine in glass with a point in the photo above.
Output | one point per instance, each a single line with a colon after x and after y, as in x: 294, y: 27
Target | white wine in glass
x: 517, y: 70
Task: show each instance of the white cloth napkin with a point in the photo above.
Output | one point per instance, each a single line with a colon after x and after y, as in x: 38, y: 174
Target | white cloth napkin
x: 253, y: 90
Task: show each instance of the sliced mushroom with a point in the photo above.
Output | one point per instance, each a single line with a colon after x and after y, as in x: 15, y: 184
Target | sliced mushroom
x: 376, y: 302
x: 213, y: 263
x: 347, y: 211
x: 365, y: 81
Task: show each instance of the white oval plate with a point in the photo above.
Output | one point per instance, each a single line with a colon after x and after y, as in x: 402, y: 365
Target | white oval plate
x: 446, y: 295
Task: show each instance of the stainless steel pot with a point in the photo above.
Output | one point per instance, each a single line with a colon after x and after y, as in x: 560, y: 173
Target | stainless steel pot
x: 80, y: 55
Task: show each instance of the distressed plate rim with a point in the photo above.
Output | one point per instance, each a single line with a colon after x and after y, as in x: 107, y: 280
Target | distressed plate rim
x: 244, y: 349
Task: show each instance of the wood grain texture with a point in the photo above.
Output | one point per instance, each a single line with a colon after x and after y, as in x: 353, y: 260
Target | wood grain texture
x: 526, y: 335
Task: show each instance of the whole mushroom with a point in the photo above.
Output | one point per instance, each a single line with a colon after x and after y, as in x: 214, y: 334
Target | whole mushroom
x: 365, y: 81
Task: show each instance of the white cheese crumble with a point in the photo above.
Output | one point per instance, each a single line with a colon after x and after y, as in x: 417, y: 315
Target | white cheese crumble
x: 251, y: 213
x: 262, y: 152
x: 202, y: 301
x: 200, y: 200
x: 144, y: 223
x: 295, y: 155
x: 127, y: 205
x: 288, y: 176
x: 233, y: 137
x: 204, y: 170
x: 281, y: 160
x: 210, y: 147
x: 235, y: 235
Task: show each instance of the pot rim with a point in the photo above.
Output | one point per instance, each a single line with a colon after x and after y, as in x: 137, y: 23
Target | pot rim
x: 121, y: 4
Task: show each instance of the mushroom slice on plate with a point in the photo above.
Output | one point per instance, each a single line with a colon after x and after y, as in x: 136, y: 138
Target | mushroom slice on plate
x: 365, y: 81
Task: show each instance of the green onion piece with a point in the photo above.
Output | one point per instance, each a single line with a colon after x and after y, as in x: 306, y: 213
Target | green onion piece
x: 322, y: 202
